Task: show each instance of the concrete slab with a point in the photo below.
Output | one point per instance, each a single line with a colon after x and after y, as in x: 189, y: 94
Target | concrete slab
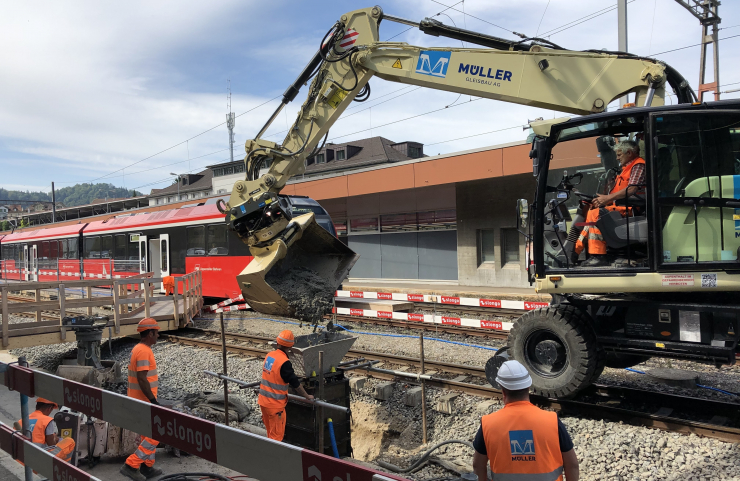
x: 445, y: 404
x: 374, y: 304
x: 674, y: 377
x: 357, y: 384
x: 487, y: 407
x: 412, y: 397
x: 383, y: 391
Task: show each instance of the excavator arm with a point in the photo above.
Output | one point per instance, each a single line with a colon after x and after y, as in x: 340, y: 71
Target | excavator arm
x: 528, y: 72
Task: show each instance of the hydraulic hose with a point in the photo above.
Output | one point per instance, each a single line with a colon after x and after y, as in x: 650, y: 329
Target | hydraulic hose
x: 418, y: 464
x: 333, y: 439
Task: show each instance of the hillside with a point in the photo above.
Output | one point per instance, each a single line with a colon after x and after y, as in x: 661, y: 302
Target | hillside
x: 79, y: 194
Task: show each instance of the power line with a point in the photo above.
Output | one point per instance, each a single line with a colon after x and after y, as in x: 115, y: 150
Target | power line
x: 474, y: 135
x: 581, y: 20
x: 440, y: 13
x: 689, y: 46
x: 473, y: 16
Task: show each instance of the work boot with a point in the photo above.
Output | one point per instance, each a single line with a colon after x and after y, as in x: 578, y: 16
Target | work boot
x: 150, y: 472
x: 132, y: 473
x: 596, y: 261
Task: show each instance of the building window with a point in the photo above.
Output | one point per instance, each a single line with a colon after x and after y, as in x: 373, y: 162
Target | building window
x: 221, y: 191
x: 486, y: 246
x: 340, y: 154
x: 438, y: 220
x: 398, y: 223
x: 364, y: 225
x: 509, y: 246
x: 238, y: 168
x: 414, y: 152
x: 218, y: 172
x: 228, y: 170
x: 171, y: 199
x: 320, y: 159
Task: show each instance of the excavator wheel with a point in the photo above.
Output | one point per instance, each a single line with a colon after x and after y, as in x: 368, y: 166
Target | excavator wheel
x: 559, y: 349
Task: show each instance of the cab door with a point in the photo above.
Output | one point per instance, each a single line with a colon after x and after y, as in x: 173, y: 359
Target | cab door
x: 142, y: 254
x: 164, y: 256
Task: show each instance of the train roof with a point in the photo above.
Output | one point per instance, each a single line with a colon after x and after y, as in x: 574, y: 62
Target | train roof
x: 184, y: 216
x: 46, y: 233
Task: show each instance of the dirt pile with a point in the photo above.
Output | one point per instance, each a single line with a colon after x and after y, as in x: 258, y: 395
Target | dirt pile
x: 308, y: 293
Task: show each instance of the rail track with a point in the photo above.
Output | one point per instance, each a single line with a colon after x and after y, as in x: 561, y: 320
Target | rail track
x: 681, y: 414
x: 45, y: 315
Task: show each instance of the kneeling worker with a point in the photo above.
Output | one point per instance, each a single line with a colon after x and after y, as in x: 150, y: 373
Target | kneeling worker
x: 44, y: 431
x: 277, y: 375
x: 522, y: 439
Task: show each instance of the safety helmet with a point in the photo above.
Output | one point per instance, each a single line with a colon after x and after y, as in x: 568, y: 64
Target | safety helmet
x: 46, y: 401
x: 146, y: 324
x: 513, y: 376
x: 286, y: 338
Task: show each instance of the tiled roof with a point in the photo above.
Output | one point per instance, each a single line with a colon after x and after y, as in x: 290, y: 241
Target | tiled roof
x: 196, y: 182
x: 367, y: 152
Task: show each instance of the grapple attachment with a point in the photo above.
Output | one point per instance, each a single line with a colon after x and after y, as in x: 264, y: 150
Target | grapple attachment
x: 304, y: 254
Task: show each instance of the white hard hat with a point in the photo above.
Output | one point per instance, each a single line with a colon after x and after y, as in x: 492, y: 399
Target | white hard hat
x: 513, y: 376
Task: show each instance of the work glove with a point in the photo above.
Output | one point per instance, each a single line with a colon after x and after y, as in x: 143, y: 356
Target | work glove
x: 154, y: 401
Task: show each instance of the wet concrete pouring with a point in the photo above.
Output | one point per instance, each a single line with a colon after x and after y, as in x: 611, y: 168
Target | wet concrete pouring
x: 309, y: 294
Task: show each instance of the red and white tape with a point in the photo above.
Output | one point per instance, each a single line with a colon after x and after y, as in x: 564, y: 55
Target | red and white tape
x: 448, y: 300
x: 407, y: 316
x: 232, y: 448
x: 224, y: 303
x: 238, y: 307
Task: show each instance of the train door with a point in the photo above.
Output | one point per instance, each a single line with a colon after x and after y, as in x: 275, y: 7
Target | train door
x: 164, y: 256
x: 32, y: 262
x: 155, y: 266
x: 142, y: 255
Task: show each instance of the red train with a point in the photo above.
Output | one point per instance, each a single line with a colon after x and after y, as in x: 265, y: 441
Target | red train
x: 170, y: 242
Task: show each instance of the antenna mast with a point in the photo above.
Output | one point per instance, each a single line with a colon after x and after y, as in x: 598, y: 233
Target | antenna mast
x: 230, y: 121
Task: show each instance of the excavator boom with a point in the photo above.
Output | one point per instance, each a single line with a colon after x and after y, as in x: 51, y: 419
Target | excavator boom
x: 535, y: 73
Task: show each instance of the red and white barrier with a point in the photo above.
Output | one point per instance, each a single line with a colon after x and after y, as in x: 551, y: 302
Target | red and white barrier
x: 41, y: 461
x: 409, y: 316
x: 448, y: 300
x: 247, y: 453
x: 223, y: 303
x: 238, y: 307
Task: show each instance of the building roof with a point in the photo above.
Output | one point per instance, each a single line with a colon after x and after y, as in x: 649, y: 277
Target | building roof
x: 195, y: 182
x: 362, y: 153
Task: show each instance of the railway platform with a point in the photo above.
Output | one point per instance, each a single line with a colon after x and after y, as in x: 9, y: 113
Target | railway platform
x: 32, y: 312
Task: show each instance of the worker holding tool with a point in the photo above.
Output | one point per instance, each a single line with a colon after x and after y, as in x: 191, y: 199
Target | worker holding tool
x: 522, y: 440
x: 277, y: 375
x: 143, y: 383
x: 44, y: 431
x: 630, y: 181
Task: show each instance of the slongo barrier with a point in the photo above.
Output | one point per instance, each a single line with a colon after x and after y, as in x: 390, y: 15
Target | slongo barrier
x: 258, y: 457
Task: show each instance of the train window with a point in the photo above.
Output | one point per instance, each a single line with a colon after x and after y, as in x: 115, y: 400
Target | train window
x: 196, y: 241
x: 119, y: 247
x: 218, y: 244
x: 106, y: 246
x: 163, y: 245
x: 92, y: 247
x: 44, y: 250
x: 54, y: 250
x: 72, y: 249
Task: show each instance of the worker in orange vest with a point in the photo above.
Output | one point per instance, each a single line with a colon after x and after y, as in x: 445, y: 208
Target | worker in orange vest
x: 277, y: 375
x: 44, y: 431
x: 631, y: 180
x: 143, y: 383
x: 522, y: 441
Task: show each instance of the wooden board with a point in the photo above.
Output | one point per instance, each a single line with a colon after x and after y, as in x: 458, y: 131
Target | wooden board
x: 374, y: 304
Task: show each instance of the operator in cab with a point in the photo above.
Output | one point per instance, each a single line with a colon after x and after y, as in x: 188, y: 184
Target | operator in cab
x: 44, y: 431
x: 522, y: 441
x: 277, y: 375
x: 630, y: 181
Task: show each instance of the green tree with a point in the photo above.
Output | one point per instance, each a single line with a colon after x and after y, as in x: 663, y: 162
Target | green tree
x: 24, y: 223
x: 5, y: 225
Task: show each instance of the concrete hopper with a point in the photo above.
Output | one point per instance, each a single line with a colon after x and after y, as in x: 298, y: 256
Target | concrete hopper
x: 305, y: 352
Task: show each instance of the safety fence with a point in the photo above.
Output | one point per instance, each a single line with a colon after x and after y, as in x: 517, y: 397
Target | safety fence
x: 63, y: 269
x: 493, y: 304
x: 130, y: 300
x: 247, y: 453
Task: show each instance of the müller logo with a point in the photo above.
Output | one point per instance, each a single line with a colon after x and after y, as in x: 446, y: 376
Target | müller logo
x: 184, y: 432
x: 83, y: 399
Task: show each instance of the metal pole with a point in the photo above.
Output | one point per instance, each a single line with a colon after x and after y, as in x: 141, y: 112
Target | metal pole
x: 223, y: 353
x: 622, y: 36
x: 25, y: 421
x: 319, y: 409
x: 53, y: 204
x: 423, y: 391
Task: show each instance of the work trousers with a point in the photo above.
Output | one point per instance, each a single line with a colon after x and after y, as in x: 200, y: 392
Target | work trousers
x: 274, y: 420
x: 592, y: 234
x: 144, y: 454
x: 63, y: 450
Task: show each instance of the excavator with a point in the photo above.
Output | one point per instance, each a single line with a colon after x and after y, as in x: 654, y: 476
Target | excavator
x: 669, y: 285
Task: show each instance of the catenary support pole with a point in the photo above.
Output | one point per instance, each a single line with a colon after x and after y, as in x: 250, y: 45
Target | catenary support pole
x: 622, y: 36
x: 423, y: 391
x: 25, y: 421
x: 226, y: 383
x: 319, y: 409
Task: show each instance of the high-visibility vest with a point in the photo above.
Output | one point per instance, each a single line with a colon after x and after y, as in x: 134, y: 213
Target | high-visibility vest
x: 623, y: 179
x: 37, y: 424
x: 142, y: 359
x: 273, y: 390
x: 523, y: 439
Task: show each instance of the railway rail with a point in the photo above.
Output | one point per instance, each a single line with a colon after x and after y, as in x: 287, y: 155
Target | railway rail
x: 681, y: 414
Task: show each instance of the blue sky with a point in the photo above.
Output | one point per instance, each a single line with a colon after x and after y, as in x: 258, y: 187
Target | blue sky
x: 89, y: 88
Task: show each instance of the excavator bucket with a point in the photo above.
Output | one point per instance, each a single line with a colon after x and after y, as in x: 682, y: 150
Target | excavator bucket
x: 303, y: 267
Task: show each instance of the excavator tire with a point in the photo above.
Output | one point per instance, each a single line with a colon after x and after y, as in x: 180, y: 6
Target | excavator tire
x: 620, y: 361
x: 558, y: 347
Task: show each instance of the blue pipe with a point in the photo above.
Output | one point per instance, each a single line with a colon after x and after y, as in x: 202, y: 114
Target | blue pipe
x: 333, y: 439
